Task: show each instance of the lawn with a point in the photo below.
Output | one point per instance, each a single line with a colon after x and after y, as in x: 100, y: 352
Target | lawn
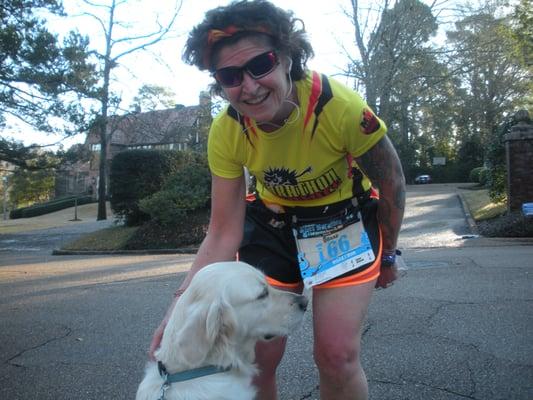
x: 480, y: 205
x: 493, y: 219
x: 85, y: 213
x: 114, y: 238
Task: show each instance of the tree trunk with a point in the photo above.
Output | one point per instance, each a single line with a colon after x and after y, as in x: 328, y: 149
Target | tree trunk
x: 102, y: 173
x: 108, y: 62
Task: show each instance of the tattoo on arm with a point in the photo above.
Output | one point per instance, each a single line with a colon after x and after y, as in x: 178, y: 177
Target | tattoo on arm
x: 382, y: 166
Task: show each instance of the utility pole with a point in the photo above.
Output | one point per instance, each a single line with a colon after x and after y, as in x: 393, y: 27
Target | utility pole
x: 4, y: 186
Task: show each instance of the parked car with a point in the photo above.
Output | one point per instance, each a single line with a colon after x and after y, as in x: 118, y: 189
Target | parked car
x: 423, y: 179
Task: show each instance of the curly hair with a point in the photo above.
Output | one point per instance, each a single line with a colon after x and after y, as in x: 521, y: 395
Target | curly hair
x: 228, y: 24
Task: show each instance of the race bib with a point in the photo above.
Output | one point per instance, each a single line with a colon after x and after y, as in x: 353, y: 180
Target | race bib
x: 330, y: 247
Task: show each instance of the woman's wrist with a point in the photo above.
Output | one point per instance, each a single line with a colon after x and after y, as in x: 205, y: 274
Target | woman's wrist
x: 388, y: 257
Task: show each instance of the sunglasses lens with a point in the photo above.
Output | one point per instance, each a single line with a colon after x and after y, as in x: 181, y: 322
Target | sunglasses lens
x: 262, y: 64
x: 229, y: 77
x: 257, y: 67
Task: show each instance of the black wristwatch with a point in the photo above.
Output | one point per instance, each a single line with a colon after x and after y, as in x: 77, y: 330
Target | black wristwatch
x: 388, y: 258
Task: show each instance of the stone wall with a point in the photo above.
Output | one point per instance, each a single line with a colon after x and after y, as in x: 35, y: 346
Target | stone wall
x: 519, y: 153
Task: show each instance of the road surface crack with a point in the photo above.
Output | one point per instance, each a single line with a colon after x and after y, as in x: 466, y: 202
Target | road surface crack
x: 308, y: 395
x: 10, y: 361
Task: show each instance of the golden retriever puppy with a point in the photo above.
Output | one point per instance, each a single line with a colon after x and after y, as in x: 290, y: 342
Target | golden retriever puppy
x: 214, y: 327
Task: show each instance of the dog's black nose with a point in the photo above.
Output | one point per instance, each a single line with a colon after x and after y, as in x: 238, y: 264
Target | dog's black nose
x: 302, y: 302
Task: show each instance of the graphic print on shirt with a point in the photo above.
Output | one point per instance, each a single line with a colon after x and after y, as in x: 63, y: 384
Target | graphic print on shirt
x: 285, y: 183
x: 369, y: 123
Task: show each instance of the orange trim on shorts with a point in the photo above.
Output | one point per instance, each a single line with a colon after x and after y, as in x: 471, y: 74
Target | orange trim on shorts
x: 365, y: 276
x: 274, y: 282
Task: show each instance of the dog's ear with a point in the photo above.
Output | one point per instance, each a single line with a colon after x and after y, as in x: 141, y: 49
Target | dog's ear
x: 206, y: 328
x: 221, y: 326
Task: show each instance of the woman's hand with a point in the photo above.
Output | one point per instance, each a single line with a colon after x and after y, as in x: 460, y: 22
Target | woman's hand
x: 158, y: 334
x: 156, y: 339
x: 387, y: 276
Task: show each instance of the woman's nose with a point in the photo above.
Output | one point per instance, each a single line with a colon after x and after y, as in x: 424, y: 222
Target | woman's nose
x: 248, y: 83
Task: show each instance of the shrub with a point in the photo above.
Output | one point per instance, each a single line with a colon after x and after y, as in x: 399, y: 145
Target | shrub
x: 498, y: 184
x: 484, y: 176
x: 474, y: 174
x: 137, y: 174
x: 184, y: 191
x: 496, y: 160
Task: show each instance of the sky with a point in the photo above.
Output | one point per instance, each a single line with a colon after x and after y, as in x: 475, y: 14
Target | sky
x: 321, y: 21
x: 324, y: 22
x: 328, y: 29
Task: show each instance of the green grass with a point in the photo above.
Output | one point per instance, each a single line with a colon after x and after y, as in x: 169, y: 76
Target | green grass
x: 481, y: 206
x: 114, y: 238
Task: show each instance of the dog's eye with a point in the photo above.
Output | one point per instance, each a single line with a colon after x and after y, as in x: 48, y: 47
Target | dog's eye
x: 263, y: 295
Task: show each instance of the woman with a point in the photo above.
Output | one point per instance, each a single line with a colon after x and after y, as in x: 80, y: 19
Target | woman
x: 313, y: 147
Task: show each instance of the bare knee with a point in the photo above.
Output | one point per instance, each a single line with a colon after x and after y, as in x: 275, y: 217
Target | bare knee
x: 337, y: 361
x: 268, y: 355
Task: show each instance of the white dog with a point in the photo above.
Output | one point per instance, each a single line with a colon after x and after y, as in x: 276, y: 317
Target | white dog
x: 214, y: 327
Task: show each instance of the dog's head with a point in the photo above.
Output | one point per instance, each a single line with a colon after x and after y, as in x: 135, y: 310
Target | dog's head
x: 225, y: 310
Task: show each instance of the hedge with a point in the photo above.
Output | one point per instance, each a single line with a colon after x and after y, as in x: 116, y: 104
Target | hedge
x: 48, y: 207
x: 187, y: 190
x: 137, y: 174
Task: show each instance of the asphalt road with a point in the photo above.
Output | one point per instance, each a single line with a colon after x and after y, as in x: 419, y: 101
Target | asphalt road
x: 457, y: 326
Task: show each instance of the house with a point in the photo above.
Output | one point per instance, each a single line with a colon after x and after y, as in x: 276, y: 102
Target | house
x: 179, y: 128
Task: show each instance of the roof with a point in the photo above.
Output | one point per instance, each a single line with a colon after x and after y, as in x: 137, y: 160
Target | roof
x: 160, y: 126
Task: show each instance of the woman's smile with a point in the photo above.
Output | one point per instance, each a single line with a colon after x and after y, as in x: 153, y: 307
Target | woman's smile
x: 257, y: 100
x: 263, y: 99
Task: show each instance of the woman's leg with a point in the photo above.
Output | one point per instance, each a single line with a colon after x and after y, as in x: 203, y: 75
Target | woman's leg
x: 268, y: 355
x: 338, y: 316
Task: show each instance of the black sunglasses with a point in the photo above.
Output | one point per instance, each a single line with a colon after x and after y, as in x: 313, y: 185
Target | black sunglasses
x: 258, y: 67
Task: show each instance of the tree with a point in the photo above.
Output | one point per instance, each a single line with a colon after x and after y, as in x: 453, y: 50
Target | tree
x: 439, y: 100
x: 35, y: 157
x: 115, y: 49
x: 388, y: 50
x: 396, y: 67
x: 41, y: 80
x: 28, y: 187
x: 34, y: 180
x: 74, y: 154
x: 24, y: 157
x: 522, y: 31
x: 492, y: 82
x: 153, y: 97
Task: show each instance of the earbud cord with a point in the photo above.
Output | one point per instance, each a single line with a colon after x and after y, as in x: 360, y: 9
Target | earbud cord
x: 287, y: 100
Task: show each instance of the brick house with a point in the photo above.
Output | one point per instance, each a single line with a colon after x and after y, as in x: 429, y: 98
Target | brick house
x: 179, y: 128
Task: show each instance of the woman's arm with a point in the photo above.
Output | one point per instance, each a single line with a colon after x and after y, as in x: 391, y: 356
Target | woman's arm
x: 223, y: 237
x: 384, y: 169
x: 226, y: 224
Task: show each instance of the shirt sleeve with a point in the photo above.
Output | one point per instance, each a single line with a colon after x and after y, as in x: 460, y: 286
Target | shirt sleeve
x: 221, y: 152
x: 362, y: 127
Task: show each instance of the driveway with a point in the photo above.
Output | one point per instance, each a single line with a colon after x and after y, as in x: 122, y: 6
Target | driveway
x: 433, y: 217
x: 457, y: 326
x: 45, y: 233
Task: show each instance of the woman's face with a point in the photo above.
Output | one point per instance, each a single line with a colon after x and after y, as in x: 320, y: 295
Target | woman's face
x: 260, y: 99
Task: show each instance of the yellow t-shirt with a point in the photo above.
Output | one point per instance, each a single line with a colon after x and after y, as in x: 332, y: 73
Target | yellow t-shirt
x: 306, y: 162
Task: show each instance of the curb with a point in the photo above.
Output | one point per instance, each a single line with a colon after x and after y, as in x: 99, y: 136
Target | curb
x: 60, y: 252
x: 468, y: 216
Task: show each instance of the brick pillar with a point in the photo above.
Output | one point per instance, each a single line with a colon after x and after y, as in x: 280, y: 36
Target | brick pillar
x: 519, y: 154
